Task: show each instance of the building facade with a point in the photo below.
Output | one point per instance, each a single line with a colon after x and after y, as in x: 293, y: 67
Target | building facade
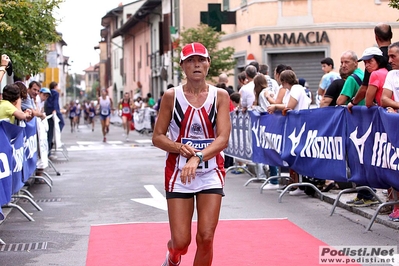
x: 298, y: 33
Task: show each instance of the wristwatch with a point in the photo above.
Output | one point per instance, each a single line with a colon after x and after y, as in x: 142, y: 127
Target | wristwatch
x: 200, y: 156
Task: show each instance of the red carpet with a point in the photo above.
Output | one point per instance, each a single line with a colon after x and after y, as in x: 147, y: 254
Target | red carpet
x: 237, y: 242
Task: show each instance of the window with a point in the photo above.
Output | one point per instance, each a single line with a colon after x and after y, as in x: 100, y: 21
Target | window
x: 226, y: 5
x: 244, y: 2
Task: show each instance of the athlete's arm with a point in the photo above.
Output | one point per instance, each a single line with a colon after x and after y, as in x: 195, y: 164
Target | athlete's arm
x: 112, y: 104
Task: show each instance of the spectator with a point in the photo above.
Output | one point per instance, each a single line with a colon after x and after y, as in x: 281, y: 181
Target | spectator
x: 390, y: 100
x: 262, y: 93
x: 158, y: 105
x: 281, y: 92
x: 271, y: 83
x: 235, y: 99
x: 383, y: 36
x: 327, y: 65
x: 375, y: 63
x: 305, y: 84
x: 30, y: 101
x: 334, y: 91
x: 255, y: 64
x: 295, y: 99
x: 8, y: 105
x: 72, y: 114
x: 41, y: 98
x: 224, y: 79
x: 4, y: 67
x: 354, y: 78
x: 242, y: 80
x: 150, y: 101
x: 52, y: 106
x: 247, y: 91
x: 42, y: 127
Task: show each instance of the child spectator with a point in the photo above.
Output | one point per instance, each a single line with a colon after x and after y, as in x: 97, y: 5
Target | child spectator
x: 8, y: 105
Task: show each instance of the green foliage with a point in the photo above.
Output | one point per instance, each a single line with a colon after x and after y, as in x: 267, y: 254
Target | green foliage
x: 221, y: 59
x: 394, y: 4
x: 93, y: 93
x: 26, y: 29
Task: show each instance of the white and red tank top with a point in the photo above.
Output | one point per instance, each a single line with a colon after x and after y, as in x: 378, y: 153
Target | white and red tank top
x: 197, y: 127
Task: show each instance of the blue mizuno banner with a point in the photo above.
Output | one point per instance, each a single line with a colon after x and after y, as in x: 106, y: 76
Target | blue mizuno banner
x: 323, y: 143
x: 5, y: 169
x: 15, y: 137
x: 267, y: 138
x: 314, y: 143
x: 240, y: 143
x: 30, y: 149
x: 373, y: 147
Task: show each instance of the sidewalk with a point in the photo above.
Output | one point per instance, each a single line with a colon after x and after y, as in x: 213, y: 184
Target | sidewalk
x: 365, y: 211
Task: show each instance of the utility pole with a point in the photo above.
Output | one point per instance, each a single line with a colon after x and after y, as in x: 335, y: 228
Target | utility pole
x: 74, y: 86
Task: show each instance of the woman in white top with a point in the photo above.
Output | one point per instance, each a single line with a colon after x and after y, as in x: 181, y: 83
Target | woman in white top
x: 193, y: 127
x: 262, y: 90
x: 294, y: 99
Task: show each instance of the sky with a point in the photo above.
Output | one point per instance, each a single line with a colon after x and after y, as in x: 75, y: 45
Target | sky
x: 80, y: 26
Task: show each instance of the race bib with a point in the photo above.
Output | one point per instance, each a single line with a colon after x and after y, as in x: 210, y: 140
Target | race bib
x: 104, y: 112
x: 198, y: 144
x: 71, y: 115
x: 126, y: 110
x: 91, y: 114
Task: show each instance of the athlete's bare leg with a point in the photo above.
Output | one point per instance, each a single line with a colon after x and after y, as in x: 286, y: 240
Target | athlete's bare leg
x: 208, y: 208
x: 124, y: 123
x: 180, y: 213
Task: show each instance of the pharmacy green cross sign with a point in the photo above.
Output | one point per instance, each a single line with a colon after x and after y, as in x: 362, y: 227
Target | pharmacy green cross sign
x: 214, y: 17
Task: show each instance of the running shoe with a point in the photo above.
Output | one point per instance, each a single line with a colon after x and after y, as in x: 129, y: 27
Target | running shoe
x: 352, y: 201
x: 394, y: 216
x: 168, y: 262
x: 105, y: 139
x: 365, y: 202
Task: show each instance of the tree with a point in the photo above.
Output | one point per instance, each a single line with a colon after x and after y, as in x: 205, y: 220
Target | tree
x: 26, y: 29
x: 394, y: 4
x: 221, y: 59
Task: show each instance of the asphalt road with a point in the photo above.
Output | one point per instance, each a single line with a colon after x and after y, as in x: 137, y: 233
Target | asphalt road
x: 102, y: 182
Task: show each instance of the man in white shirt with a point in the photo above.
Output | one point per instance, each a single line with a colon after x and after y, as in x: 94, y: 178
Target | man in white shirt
x: 247, y: 90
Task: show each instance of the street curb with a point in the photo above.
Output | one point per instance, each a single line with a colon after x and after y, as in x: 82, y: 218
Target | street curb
x: 362, y: 212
